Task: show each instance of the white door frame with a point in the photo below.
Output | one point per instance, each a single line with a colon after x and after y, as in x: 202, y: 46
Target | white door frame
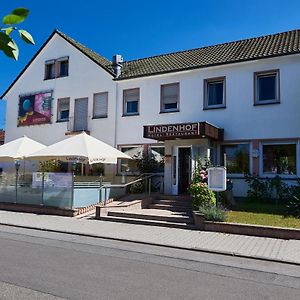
x: 175, y: 152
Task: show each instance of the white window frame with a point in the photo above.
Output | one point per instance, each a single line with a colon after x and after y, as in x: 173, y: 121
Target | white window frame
x: 261, y: 167
x: 59, y: 110
x: 206, y: 92
x: 162, y: 108
x: 100, y: 115
x: 119, y: 169
x: 125, y: 101
x: 250, y: 157
x: 257, y: 75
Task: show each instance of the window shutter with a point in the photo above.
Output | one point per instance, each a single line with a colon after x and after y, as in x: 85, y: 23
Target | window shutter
x: 100, y: 105
x: 64, y: 104
x: 170, y: 93
x: 132, y: 95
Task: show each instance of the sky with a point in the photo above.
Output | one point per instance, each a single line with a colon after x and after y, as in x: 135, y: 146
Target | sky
x: 138, y: 29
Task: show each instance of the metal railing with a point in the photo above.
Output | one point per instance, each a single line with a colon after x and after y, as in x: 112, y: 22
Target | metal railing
x: 148, y: 184
x: 75, y: 125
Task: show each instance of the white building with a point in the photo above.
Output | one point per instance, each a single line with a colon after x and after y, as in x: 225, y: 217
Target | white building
x: 240, y: 98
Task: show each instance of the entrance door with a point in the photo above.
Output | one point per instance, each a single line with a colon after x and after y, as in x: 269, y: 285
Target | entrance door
x: 81, y: 114
x: 184, y: 169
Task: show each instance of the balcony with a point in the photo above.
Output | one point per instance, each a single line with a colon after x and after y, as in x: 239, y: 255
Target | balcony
x: 77, y: 125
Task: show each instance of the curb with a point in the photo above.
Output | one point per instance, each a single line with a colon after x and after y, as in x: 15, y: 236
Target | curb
x: 231, y: 254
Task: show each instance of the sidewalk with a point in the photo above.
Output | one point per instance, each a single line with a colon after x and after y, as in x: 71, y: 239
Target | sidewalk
x: 238, y: 245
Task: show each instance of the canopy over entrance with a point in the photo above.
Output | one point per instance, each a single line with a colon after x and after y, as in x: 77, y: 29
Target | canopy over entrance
x: 193, y: 130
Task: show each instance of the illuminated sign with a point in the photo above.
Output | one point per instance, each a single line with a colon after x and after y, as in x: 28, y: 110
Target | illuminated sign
x: 183, y: 130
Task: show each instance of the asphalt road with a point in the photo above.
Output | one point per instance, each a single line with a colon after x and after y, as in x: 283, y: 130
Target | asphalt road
x: 42, y: 265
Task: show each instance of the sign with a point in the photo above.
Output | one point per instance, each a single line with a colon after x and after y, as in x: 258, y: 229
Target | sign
x: 61, y: 180
x: 217, y: 179
x: 35, y: 109
x: 183, y: 130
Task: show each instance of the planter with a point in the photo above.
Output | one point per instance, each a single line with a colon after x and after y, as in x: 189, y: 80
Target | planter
x: 245, y: 229
x: 199, y: 220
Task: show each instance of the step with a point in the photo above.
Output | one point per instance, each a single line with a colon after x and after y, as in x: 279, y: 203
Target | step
x: 173, y: 217
x: 178, y: 208
x: 175, y: 197
x: 147, y: 222
x: 173, y: 202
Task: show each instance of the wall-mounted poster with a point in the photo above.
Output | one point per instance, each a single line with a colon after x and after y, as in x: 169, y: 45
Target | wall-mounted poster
x: 35, y: 109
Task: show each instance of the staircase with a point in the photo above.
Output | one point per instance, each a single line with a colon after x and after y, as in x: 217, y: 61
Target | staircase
x: 166, y: 211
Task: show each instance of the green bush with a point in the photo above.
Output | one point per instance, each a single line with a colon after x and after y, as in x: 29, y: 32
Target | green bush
x: 213, y: 213
x: 202, y: 196
x: 259, y: 190
x: 293, y: 203
x: 137, y: 188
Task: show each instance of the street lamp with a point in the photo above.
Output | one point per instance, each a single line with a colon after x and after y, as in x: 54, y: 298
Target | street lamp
x: 17, y: 166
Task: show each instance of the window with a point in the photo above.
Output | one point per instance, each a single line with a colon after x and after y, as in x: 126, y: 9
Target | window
x: 63, y: 109
x: 131, y: 100
x: 50, y: 69
x: 100, y: 105
x: 129, y: 166
x: 57, y: 68
x: 237, y: 158
x: 158, y: 153
x: 214, y: 93
x: 266, y: 87
x: 63, y: 67
x: 170, y: 97
x: 279, y: 159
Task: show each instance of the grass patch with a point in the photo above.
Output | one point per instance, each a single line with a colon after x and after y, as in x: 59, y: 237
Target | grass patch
x: 261, y: 214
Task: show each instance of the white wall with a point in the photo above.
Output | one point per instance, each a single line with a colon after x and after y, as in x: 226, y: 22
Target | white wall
x: 85, y: 78
x: 240, y: 119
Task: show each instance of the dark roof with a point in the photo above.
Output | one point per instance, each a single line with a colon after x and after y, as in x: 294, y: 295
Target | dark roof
x: 284, y: 43
x: 279, y: 44
x: 98, y: 59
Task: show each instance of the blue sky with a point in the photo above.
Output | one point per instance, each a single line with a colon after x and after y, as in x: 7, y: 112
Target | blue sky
x: 139, y: 29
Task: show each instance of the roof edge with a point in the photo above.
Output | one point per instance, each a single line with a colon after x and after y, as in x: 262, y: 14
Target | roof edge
x: 62, y: 35
x: 28, y: 64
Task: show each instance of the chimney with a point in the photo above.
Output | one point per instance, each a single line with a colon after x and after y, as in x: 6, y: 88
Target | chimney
x: 117, y: 64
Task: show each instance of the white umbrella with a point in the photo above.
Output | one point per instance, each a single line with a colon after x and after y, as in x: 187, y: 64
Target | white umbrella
x: 81, y: 148
x: 18, y: 149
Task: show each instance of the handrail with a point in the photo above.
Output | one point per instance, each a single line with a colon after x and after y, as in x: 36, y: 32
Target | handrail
x: 125, y: 185
x: 132, y: 182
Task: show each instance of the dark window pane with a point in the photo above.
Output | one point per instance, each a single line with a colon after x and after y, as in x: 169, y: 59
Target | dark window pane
x: 237, y: 157
x: 279, y: 159
x: 267, y: 88
x: 215, y: 93
x: 64, y: 68
x: 49, y: 71
x: 170, y: 106
x: 132, y: 107
x: 64, y: 115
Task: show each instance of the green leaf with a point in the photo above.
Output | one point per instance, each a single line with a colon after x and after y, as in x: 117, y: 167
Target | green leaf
x: 26, y: 37
x: 7, y: 41
x: 8, y: 30
x: 9, y: 51
x: 17, y: 16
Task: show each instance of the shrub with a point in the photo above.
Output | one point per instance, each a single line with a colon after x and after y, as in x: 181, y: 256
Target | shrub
x: 202, y: 196
x: 137, y: 188
x: 213, y: 213
x: 260, y: 191
x: 293, y: 204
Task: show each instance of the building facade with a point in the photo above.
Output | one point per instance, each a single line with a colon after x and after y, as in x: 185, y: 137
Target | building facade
x: 241, y: 99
